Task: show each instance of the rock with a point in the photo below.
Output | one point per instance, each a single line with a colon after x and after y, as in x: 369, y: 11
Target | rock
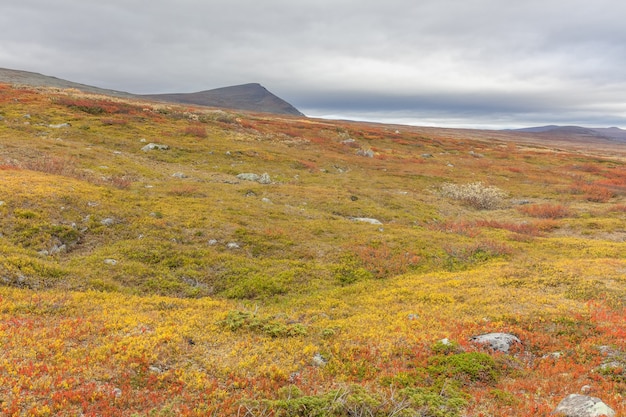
x: 107, y: 222
x: 576, y: 405
x: 319, y: 360
x: 1, y: 203
x: 58, y: 249
x: 212, y: 242
x: 427, y: 155
x: 365, y: 152
x: 179, y: 175
x: 110, y: 261
x: 265, y: 179
x: 60, y: 125
x: 155, y: 146
x: 366, y: 220
x: 266, y: 200
x: 117, y: 392
x: 248, y: 176
x: 233, y: 245
x: 412, y: 316
x: 500, y: 342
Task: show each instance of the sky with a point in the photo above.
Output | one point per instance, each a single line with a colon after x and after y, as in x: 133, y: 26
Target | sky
x: 448, y: 63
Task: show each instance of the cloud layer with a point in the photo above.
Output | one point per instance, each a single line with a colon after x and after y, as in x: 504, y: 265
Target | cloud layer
x: 446, y: 62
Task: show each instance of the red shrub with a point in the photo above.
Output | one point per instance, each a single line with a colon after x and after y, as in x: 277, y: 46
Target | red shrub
x: 546, y: 211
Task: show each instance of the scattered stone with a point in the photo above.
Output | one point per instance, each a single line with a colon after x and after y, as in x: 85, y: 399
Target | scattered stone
x: 576, y: 405
x: 43, y: 252
x: 266, y: 200
x: 585, y: 389
x: 110, y: 261
x: 212, y: 242
x: 60, y: 125
x: 412, y: 316
x: 107, y: 222
x: 117, y: 392
x: 58, y: 249
x: 265, y: 179
x: 476, y: 155
x: 553, y: 355
x: 155, y: 369
x: 1, y: 203
x: 117, y: 152
x: 233, y: 245
x: 248, y: 176
x: 92, y: 204
x: 366, y: 220
x: 319, y: 360
x: 155, y: 146
x: 500, y: 342
x: 179, y: 175
x: 368, y: 153
x: 427, y: 155
x: 445, y: 342
x: 143, y: 140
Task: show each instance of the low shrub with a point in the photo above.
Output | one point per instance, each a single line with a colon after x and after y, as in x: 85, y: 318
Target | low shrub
x: 476, y: 195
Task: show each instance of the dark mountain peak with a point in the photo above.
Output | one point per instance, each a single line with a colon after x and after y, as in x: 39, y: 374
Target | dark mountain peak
x: 250, y: 97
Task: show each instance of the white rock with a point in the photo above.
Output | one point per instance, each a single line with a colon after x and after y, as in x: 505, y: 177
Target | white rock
x: 155, y: 146
x: 110, y: 261
x: 501, y: 342
x: 576, y: 405
x: 366, y: 220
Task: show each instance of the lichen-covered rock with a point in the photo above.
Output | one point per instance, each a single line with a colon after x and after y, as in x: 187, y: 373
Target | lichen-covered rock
x: 366, y: 220
x: 500, y: 342
x: 576, y: 405
x: 155, y: 146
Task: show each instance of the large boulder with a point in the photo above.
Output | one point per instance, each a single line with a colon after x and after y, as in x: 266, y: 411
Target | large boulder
x: 500, y: 342
x: 576, y: 405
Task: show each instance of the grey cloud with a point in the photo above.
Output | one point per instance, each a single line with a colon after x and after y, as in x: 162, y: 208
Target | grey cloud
x: 462, y: 60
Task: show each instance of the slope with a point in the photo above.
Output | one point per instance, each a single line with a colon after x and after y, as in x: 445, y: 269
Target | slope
x: 143, y: 274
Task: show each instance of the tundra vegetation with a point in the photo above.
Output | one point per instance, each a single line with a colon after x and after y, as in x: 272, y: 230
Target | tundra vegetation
x: 152, y: 281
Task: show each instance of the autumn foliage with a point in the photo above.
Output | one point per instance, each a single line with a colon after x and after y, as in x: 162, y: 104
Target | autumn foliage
x: 159, y: 283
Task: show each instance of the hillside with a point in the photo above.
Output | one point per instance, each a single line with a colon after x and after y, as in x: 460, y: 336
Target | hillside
x: 247, y: 97
x: 162, y: 259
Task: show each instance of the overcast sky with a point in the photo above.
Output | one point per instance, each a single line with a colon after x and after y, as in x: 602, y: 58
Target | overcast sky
x: 456, y: 63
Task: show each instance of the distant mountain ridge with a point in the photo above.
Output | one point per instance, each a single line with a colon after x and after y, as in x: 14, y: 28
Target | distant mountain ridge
x: 576, y: 132
x: 248, y: 97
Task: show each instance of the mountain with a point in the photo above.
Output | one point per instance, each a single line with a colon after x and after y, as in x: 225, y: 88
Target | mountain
x: 576, y: 132
x: 248, y: 97
x: 34, y: 79
x: 252, y: 97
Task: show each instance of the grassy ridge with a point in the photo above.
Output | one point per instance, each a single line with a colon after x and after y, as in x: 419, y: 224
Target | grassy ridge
x: 157, y: 281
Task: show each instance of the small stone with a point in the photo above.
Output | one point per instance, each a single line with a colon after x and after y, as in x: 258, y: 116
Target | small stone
x: 319, y: 360
x: 427, y: 155
x: 155, y: 146
x: 60, y: 125
x: 265, y: 179
x: 212, y: 242
x: 576, y: 405
x: 266, y: 200
x: 233, y: 245
x: 1, y: 203
x: 366, y: 220
x: 155, y: 369
x: 117, y: 392
x: 179, y: 175
x: 248, y: 176
x: 110, y: 261
x: 107, y: 222
x: 412, y: 317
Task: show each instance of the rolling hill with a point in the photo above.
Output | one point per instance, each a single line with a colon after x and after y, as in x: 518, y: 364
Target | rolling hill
x: 161, y: 259
x: 248, y: 97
